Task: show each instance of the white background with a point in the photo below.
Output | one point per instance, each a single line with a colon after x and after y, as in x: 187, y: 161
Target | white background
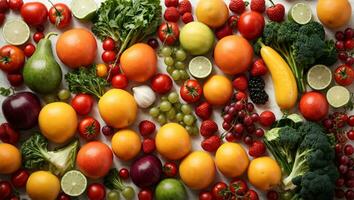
x: 271, y: 105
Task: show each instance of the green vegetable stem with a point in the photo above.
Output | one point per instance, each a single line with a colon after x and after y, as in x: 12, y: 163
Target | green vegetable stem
x: 113, y: 182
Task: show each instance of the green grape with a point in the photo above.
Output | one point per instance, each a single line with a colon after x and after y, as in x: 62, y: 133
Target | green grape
x: 161, y: 119
x: 195, y: 130
x: 166, y: 51
x: 170, y: 69
x: 113, y: 195
x: 154, y: 112
x: 177, y: 105
x: 165, y: 106
x: 182, y: 123
x: 64, y: 94
x: 180, y: 65
x: 184, y: 74
x: 50, y: 98
x: 188, y: 119
x: 189, y: 129
x: 179, y: 116
x: 176, y: 75
x: 173, y: 97
x: 164, y: 98
x: 169, y: 61
x: 171, y: 114
x: 186, y: 109
x: 180, y: 55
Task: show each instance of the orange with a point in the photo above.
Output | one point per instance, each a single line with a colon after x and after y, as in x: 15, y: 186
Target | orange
x: 334, y: 13
x: 42, y: 185
x: 139, y: 62
x: 77, y: 48
x: 264, y: 173
x: 218, y: 90
x: 233, y: 54
x: 173, y: 141
x: 126, y: 144
x: 231, y: 159
x: 197, y: 170
x: 213, y: 13
x: 10, y: 158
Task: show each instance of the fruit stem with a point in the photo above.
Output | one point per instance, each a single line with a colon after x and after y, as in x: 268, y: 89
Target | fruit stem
x: 50, y: 34
x: 272, y: 2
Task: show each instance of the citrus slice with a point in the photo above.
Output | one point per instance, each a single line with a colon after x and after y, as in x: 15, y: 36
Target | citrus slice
x: 84, y: 9
x: 319, y: 77
x: 301, y: 13
x: 73, y: 183
x: 200, y: 67
x: 16, y: 32
x: 338, y: 96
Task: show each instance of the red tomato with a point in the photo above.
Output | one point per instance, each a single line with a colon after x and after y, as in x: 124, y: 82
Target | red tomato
x: 313, y: 106
x: 109, y: 56
x: 60, y: 15
x: 63, y: 196
x: 15, y: 79
x: 11, y: 58
x: 124, y: 173
x: 205, y: 195
x: 96, y: 191
x: 15, y: 4
x: 170, y: 169
x: 5, y: 189
x: 161, y: 83
x: 109, y: 44
x: 218, y: 191
x: 168, y: 33
x: 351, y: 120
x: 240, y: 82
x: 145, y: 194
x: 19, y: 178
x: 251, y: 25
x: 82, y: 104
x: 252, y: 195
x: 120, y: 81
x: 238, y: 186
x: 191, y: 91
x: 29, y: 50
x: 34, y: 13
x: 344, y: 75
x: 267, y: 118
x: 4, y: 6
x: 89, y: 128
x: 37, y: 36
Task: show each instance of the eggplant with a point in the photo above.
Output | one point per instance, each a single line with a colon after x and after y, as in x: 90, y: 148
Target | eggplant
x: 146, y: 171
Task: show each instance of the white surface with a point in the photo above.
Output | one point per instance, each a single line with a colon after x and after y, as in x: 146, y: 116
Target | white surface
x: 271, y: 105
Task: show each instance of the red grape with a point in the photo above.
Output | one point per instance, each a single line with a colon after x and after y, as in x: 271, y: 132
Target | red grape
x: 247, y: 120
x: 226, y: 125
x: 340, y: 182
x: 342, y: 55
x: 241, y: 113
x: 250, y: 107
x: 339, y: 193
x: 259, y: 132
x: 272, y: 195
x: 230, y: 137
x: 238, y: 128
x: 349, y: 194
x: 349, y: 33
x: 342, y: 169
x: 340, y: 45
x: 232, y: 111
x: 327, y: 123
x: 227, y: 118
x: 153, y: 43
x: 348, y: 149
x: 344, y: 160
x: 248, y: 140
x: 349, y: 183
x: 340, y: 35
x: 255, y: 117
x: 350, y: 135
x: 349, y: 61
x: 239, y: 105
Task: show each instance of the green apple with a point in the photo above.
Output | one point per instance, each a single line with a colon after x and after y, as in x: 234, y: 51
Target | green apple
x: 170, y: 189
x: 197, y: 38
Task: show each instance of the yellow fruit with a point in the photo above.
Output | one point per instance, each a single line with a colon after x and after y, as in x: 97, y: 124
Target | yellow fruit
x: 231, y: 159
x: 218, y: 90
x: 10, y: 158
x: 58, y: 122
x: 213, y: 13
x: 118, y: 108
x: 197, y: 170
x: 334, y: 13
x: 173, y: 141
x: 101, y: 70
x: 264, y: 173
x: 42, y: 185
x: 126, y: 144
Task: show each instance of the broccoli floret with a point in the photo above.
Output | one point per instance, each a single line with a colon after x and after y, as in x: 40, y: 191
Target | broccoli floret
x: 313, y: 28
x: 316, y: 186
x: 288, y: 32
x: 329, y: 56
x: 36, y: 155
x: 310, y: 127
x: 113, y: 182
x: 270, y: 33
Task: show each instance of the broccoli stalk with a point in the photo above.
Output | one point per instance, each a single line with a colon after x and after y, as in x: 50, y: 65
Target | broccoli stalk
x: 113, y: 182
x: 36, y: 155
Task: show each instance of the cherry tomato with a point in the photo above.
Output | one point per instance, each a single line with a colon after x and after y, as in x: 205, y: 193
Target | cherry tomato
x: 351, y: 120
x: 109, y: 44
x: 145, y: 194
x: 63, y: 196
x: 191, y: 91
x: 161, y: 83
x: 112, y: 71
x: 251, y: 25
x: 267, y: 118
x: 170, y: 169
x: 344, y: 75
x: 37, y: 36
x: 5, y: 189
x: 124, y: 173
x: 120, y: 81
x: 34, y: 13
x: 60, y: 15
x: 232, y: 21
x: 89, y: 128
x: 12, y: 58
x: 2, y: 18
x: 218, y: 191
x: 29, y: 50
x: 15, y: 79
x: 101, y: 70
x: 108, y: 56
x: 238, y: 186
x: 15, y: 4
x: 96, y: 191
x: 204, y: 195
x: 168, y: 33
x: 350, y: 135
x: 8, y: 134
x: 4, y: 6
x: 82, y: 104
x: 313, y: 106
x: 19, y: 178
x: 252, y: 195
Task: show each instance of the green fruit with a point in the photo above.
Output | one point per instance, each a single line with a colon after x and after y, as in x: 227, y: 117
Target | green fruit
x: 170, y: 189
x: 84, y: 9
x: 196, y: 38
x: 42, y: 73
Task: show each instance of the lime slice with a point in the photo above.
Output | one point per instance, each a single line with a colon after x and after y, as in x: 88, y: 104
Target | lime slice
x: 73, y: 183
x: 319, y: 77
x: 338, y: 96
x: 200, y: 67
x: 16, y: 32
x: 84, y: 9
x: 301, y: 13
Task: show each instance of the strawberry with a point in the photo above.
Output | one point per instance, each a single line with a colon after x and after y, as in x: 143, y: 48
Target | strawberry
x: 238, y: 186
x: 184, y: 6
x: 240, y: 82
x: 258, y: 68
x: 171, y: 14
x: 276, y: 12
x: 223, y: 31
x: 257, y: 149
x: 238, y: 6
x: 171, y: 3
x: 148, y: 145
x: 15, y: 80
x: 208, y: 128
x: 146, y: 127
x: 258, y: 5
x: 232, y: 21
x: 211, y: 144
x: 203, y: 110
x: 187, y: 17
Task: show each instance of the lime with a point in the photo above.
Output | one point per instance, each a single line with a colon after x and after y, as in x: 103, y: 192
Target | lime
x: 84, y: 9
x: 301, y: 13
x: 338, y: 96
x: 319, y: 77
x: 16, y: 32
x: 200, y: 67
x: 73, y: 183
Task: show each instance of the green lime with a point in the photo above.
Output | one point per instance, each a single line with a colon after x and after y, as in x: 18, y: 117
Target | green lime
x: 338, y: 96
x: 73, y: 183
x: 16, y: 32
x: 84, y: 9
x: 200, y: 67
x: 301, y: 13
x: 319, y: 77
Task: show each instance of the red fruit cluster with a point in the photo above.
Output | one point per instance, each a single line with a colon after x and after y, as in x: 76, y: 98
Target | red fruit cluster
x: 212, y: 142
x: 176, y: 9
x: 237, y: 189
x: 345, y: 45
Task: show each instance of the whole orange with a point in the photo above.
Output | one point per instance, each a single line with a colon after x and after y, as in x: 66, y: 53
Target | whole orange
x: 77, y: 48
x: 213, y: 13
x: 126, y: 144
x: 217, y: 90
x: 10, y: 158
x: 334, y: 13
x: 233, y: 54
